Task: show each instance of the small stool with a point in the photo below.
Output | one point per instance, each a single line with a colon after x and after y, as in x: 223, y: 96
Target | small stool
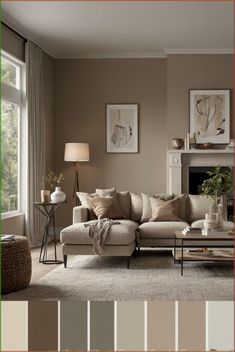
x: 16, y: 264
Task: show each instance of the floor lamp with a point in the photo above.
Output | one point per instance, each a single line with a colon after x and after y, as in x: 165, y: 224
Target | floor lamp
x: 76, y: 152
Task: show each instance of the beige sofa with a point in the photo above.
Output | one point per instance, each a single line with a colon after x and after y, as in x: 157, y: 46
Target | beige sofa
x: 135, y: 231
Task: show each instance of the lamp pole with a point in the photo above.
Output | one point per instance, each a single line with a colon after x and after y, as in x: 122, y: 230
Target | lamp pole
x: 76, y: 182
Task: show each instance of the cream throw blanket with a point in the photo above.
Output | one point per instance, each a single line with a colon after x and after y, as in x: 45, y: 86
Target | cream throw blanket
x: 98, y: 231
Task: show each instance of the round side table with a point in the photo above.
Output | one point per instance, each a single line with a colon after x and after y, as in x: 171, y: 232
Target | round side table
x: 16, y: 264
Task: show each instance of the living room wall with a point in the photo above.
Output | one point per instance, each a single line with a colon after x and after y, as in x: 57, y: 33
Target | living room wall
x: 82, y: 88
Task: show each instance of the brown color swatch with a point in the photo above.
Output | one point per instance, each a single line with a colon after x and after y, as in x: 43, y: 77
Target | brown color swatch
x: 42, y: 326
x: 102, y: 325
x: 73, y: 325
x: 161, y: 326
x: 191, y: 325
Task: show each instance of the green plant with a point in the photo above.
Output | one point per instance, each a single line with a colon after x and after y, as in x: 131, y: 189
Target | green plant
x: 51, y: 180
x: 219, y: 183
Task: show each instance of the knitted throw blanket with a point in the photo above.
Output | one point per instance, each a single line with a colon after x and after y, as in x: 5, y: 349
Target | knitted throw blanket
x: 98, y: 232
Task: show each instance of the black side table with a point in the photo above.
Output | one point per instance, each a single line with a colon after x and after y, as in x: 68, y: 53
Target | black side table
x: 48, y: 210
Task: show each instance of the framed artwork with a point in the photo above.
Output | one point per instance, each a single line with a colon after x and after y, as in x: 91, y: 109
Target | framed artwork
x: 210, y: 115
x: 122, y: 128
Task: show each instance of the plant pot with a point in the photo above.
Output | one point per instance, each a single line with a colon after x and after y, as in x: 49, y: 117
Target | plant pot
x: 58, y: 196
x: 45, y: 196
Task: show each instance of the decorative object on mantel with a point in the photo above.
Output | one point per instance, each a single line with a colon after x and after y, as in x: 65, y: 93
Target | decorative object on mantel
x: 219, y: 184
x: 76, y: 152
x: 122, y: 128
x: 190, y: 141
x: 205, y: 146
x: 210, y: 115
x: 48, y: 183
x: 177, y: 143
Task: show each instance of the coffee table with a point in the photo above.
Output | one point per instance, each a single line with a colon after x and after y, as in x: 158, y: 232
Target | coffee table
x: 212, y: 240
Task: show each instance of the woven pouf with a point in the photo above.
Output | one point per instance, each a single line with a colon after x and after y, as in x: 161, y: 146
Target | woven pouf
x: 16, y: 264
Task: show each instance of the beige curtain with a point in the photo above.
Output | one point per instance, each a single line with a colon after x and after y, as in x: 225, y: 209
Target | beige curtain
x: 36, y: 140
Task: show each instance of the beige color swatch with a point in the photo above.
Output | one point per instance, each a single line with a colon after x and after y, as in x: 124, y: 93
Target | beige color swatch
x: 130, y: 326
x: 14, y: 326
x: 161, y: 326
x: 191, y: 326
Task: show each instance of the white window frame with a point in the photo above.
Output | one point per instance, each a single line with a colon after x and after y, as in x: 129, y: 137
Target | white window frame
x: 17, y: 95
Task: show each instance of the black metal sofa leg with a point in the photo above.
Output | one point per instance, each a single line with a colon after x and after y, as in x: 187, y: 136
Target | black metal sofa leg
x: 128, y: 262
x: 65, y: 260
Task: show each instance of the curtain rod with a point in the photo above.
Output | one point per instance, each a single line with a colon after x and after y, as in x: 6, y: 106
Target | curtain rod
x: 14, y: 31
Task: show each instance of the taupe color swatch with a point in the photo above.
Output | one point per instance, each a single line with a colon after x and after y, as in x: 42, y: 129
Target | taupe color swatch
x: 130, y: 326
x: 221, y: 326
x: 102, y: 325
x: 14, y: 326
x: 42, y: 325
x: 73, y: 325
x: 191, y: 325
x: 12, y: 43
x: 161, y: 325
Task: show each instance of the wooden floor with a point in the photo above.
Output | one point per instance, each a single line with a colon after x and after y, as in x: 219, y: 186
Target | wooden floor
x: 39, y: 269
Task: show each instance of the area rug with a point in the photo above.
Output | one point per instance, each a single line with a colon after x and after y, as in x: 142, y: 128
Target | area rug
x: 152, y: 276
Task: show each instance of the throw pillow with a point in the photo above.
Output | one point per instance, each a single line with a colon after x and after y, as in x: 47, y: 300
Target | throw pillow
x: 136, y: 206
x: 85, y: 202
x: 147, y: 209
x: 106, y: 192
x: 106, y: 207
x: 124, y: 202
x: 163, y: 210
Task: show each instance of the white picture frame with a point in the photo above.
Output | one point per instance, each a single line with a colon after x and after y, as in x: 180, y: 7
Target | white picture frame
x: 210, y: 115
x: 122, y: 128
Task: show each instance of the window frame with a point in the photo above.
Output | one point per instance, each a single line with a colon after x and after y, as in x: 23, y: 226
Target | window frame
x: 17, y: 95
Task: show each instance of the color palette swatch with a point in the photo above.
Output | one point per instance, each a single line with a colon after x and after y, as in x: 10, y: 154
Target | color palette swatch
x: 117, y: 326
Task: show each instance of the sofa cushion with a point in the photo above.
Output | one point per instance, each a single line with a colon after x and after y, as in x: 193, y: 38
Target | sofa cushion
x: 198, y: 206
x: 147, y: 209
x: 119, y: 234
x: 165, y: 210
x: 227, y: 225
x: 124, y: 202
x: 85, y: 202
x: 161, y: 229
x: 106, y: 207
x: 136, y: 206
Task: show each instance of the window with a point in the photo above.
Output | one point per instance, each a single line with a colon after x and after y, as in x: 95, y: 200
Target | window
x: 12, y: 138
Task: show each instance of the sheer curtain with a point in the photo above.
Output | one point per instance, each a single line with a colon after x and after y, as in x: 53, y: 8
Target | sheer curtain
x: 36, y: 140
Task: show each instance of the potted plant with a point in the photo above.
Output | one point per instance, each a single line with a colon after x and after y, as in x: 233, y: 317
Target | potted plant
x: 49, y: 182
x: 219, y: 184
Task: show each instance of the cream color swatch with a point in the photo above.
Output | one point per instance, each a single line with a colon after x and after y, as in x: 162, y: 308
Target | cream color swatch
x: 130, y: 326
x: 14, y: 326
x: 221, y: 326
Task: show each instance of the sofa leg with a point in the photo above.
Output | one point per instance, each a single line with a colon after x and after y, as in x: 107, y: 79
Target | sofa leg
x: 65, y: 260
x: 138, y: 250
x: 128, y: 262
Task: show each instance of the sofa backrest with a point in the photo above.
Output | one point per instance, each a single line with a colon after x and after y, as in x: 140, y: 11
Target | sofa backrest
x: 198, y: 206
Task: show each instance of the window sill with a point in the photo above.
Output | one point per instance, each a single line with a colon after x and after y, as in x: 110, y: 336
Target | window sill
x: 11, y: 214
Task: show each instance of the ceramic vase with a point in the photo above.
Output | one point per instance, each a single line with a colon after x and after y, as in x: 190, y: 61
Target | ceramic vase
x: 58, y: 196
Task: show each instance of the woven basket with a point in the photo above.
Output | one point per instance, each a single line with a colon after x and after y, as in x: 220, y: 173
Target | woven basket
x: 16, y: 264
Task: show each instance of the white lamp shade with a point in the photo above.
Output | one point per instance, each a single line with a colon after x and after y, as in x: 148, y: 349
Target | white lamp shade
x: 76, y: 152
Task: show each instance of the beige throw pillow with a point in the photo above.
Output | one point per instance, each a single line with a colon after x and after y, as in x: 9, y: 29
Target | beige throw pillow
x: 106, y: 207
x: 147, y: 209
x: 163, y: 210
x: 85, y: 202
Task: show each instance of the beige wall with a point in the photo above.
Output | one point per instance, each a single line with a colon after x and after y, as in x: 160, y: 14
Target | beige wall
x: 186, y: 72
x: 82, y: 88
x: 12, y: 43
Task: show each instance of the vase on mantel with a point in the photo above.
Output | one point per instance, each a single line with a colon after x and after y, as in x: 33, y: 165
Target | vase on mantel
x: 58, y: 196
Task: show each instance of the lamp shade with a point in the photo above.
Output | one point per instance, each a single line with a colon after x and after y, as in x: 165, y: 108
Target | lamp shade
x: 76, y: 152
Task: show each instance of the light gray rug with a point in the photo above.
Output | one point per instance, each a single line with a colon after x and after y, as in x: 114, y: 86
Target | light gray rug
x: 152, y: 276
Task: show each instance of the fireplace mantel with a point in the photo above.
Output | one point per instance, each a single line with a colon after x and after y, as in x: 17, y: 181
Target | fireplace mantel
x: 179, y: 161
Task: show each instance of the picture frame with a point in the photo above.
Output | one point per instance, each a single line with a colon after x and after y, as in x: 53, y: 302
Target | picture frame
x: 210, y: 115
x: 122, y: 130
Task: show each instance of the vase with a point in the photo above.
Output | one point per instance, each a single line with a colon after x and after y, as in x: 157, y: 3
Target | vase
x: 58, y: 196
x: 45, y: 196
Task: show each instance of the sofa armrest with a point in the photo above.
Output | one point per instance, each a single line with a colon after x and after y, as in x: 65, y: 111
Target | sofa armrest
x: 80, y: 214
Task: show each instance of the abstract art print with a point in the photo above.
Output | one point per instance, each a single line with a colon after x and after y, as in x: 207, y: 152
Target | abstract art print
x: 210, y: 115
x: 122, y: 128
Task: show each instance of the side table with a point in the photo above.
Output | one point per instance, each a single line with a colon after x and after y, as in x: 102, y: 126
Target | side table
x: 48, y: 210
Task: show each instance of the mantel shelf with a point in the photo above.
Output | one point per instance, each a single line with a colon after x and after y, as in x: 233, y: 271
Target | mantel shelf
x: 200, y: 151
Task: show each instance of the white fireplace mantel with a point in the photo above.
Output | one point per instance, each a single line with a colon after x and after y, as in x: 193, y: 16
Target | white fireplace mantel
x: 179, y: 161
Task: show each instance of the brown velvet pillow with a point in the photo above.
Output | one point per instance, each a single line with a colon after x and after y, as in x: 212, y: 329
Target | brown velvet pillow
x: 165, y: 210
x: 106, y: 207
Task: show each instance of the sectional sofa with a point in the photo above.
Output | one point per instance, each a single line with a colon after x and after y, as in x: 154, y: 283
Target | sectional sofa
x: 135, y: 231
